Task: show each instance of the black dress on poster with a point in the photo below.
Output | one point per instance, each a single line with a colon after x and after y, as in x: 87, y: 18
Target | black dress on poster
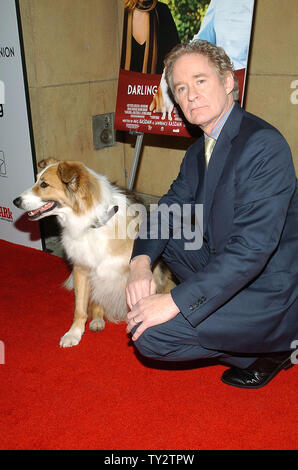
x: 162, y: 36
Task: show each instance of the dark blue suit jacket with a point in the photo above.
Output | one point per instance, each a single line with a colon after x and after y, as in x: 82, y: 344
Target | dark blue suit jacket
x: 245, y: 299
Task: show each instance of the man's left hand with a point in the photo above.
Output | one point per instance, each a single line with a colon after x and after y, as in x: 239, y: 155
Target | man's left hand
x: 150, y: 311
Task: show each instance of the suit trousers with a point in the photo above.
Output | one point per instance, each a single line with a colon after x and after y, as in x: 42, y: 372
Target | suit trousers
x: 177, y: 339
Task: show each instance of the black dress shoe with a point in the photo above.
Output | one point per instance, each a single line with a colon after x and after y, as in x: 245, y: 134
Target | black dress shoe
x: 259, y: 373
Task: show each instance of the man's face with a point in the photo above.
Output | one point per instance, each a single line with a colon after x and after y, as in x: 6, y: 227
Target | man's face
x: 200, y: 92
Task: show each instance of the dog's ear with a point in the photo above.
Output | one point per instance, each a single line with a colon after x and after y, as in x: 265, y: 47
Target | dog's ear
x: 46, y: 162
x: 69, y: 175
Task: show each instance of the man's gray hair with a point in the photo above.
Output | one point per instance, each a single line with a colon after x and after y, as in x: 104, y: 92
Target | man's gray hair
x: 216, y: 55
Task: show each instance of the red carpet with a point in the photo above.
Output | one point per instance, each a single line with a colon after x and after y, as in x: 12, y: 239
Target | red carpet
x: 99, y: 395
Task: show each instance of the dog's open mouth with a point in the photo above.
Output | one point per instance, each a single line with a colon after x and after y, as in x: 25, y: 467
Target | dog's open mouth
x: 43, y: 211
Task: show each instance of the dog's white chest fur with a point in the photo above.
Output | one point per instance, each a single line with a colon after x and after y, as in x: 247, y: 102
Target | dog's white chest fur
x: 107, y: 276
x: 86, y: 250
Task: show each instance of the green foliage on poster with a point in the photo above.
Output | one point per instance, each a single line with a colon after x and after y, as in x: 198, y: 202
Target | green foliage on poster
x: 188, y: 16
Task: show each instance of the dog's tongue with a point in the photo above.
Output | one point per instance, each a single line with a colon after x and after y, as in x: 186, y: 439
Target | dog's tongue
x: 46, y: 206
x: 41, y: 209
x: 32, y: 213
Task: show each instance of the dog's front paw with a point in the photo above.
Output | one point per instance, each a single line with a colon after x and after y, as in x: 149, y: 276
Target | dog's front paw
x: 97, y: 324
x: 71, y: 338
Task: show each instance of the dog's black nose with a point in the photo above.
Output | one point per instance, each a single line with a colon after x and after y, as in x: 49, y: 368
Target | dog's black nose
x: 17, y: 201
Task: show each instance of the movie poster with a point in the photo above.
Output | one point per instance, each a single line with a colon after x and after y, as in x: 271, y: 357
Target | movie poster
x: 16, y: 145
x: 151, y: 29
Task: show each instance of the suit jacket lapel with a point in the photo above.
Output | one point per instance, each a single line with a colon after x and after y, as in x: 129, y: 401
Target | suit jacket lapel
x: 200, y: 193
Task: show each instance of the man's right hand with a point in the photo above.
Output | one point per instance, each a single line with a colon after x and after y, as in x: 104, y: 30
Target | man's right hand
x: 140, y: 282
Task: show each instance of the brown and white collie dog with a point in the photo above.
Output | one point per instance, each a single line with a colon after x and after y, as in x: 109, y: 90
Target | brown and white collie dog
x: 162, y: 102
x: 92, y: 212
